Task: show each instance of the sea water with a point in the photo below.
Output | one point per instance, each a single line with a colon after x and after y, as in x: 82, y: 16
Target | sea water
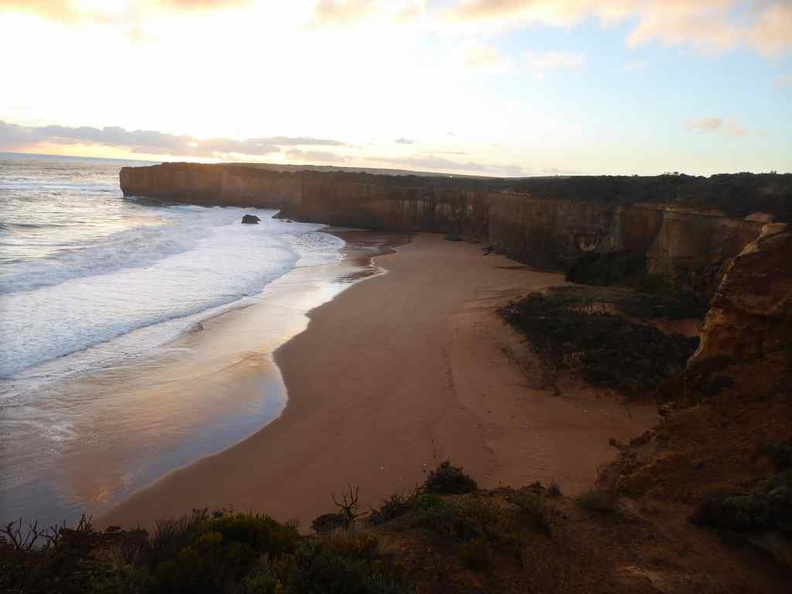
x: 91, y: 282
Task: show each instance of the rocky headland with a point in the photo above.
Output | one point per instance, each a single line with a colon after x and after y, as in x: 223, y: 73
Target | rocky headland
x: 676, y: 227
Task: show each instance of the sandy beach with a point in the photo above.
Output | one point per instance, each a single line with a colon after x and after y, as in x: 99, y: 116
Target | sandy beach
x: 394, y: 375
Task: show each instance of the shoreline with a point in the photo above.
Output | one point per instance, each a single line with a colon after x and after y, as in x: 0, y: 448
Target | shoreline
x: 391, y: 377
x: 127, y: 425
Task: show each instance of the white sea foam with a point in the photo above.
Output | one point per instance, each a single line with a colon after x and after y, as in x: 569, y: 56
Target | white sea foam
x: 230, y: 262
x: 81, y: 267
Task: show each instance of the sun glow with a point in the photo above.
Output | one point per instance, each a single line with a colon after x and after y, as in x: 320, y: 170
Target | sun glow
x: 462, y: 90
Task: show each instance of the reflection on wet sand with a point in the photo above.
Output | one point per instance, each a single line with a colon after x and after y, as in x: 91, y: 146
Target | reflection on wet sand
x: 206, y: 391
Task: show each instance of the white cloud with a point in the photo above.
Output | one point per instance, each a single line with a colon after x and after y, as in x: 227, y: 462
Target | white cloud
x: 438, y: 163
x: 541, y: 62
x: 316, y: 157
x: 771, y: 34
x: 484, y: 57
x: 16, y: 137
x: 706, y: 25
x: 715, y: 125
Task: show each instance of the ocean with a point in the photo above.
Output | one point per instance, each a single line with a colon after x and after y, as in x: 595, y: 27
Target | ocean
x: 95, y: 285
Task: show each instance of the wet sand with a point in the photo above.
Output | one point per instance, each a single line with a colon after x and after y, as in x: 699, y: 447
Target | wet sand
x: 101, y: 436
x: 391, y: 377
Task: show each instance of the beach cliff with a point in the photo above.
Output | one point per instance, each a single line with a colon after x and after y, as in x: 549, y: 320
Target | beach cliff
x: 549, y: 227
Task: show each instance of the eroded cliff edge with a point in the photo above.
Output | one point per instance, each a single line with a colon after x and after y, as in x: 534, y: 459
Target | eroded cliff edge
x: 545, y: 223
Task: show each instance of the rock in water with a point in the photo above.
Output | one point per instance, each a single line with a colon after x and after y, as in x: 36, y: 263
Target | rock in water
x: 250, y: 220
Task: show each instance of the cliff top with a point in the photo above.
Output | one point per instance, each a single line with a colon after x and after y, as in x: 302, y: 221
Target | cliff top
x: 737, y: 195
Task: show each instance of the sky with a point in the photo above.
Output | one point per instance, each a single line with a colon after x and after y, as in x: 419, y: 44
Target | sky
x: 493, y: 87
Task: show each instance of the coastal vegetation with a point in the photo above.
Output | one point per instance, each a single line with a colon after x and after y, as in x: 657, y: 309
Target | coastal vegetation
x: 605, y: 334
x: 531, y: 539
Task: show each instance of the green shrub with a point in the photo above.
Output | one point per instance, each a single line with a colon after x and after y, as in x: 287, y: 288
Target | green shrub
x: 449, y: 480
x: 477, y: 554
x: 766, y: 505
x: 779, y: 453
x: 429, y: 502
x: 222, y: 550
x: 577, y: 328
x: 223, y: 553
x: 597, y: 500
x: 327, y: 523
x: 533, y: 510
x: 393, y: 507
x: 474, y: 527
x: 343, y: 567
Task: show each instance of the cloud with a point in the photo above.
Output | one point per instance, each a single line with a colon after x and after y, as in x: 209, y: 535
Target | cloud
x: 559, y: 171
x: 404, y: 141
x: 59, y: 10
x: 541, y: 62
x: 763, y: 26
x: 635, y: 66
x: 316, y: 157
x: 346, y: 13
x: 16, y: 137
x: 714, y: 125
x: 484, y: 57
x: 441, y: 164
x: 110, y: 12
x: 342, y: 12
x: 706, y: 25
x: 771, y: 34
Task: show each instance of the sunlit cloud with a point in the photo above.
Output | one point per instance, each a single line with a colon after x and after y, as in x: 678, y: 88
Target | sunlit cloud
x: 764, y: 26
x: 222, y: 77
x: 541, y: 62
x: 316, y: 157
x: 70, y: 10
x: 771, y: 35
x: 442, y: 164
x: 706, y: 25
x: 346, y: 13
x: 16, y: 137
x: 337, y: 12
x: 715, y: 125
x: 484, y: 57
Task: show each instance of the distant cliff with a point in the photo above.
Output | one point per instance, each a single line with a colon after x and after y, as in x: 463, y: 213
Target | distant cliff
x: 531, y: 225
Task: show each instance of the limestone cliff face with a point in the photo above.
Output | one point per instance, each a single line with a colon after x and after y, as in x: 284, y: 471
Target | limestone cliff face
x: 544, y: 232
x: 211, y: 184
x: 751, y: 313
x: 691, y: 246
x: 694, y: 247
x: 392, y: 206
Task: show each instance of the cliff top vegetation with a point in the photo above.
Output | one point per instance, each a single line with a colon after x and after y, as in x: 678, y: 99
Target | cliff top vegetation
x: 735, y: 194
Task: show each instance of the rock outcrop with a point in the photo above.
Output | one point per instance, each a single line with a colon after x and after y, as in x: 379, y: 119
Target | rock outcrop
x: 689, y: 246
x: 751, y: 313
x: 250, y: 219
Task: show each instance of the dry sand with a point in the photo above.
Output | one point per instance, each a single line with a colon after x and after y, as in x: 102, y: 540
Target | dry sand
x: 393, y: 376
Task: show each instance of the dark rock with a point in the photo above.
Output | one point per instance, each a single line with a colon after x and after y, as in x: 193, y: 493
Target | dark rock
x: 250, y: 220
